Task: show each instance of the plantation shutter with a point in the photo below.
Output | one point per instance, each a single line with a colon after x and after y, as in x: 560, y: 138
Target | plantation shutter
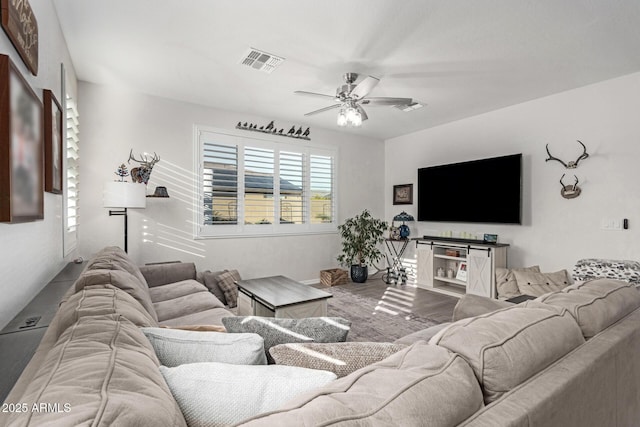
x: 292, y: 194
x: 321, y: 178
x: 220, y: 184
x: 259, y: 186
x: 73, y: 169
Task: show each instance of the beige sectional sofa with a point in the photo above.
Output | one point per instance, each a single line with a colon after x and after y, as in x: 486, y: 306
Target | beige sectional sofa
x: 568, y: 358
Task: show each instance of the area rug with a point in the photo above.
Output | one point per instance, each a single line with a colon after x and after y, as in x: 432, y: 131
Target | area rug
x: 376, y: 319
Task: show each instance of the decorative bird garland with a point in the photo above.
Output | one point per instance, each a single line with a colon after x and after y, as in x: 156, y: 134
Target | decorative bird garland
x: 272, y: 129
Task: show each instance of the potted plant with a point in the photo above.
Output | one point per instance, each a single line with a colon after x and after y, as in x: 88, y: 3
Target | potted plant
x: 361, y: 236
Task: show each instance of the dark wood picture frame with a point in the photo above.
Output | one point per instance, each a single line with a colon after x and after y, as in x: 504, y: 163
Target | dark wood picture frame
x: 403, y: 194
x: 21, y: 147
x: 52, y: 143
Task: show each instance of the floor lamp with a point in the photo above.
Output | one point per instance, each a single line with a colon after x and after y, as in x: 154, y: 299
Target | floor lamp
x: 124, y: 195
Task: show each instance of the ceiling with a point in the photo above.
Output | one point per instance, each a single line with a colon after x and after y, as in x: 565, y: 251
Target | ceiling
x: 457, y: 57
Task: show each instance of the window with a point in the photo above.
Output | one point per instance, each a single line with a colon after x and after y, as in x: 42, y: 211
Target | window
x: 73, y: 176
x: 251, y: 186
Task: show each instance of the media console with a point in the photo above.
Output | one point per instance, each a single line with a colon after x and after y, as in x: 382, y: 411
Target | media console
x: 459, y: 266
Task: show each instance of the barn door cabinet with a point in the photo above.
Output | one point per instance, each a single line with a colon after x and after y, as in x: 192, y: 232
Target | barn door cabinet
x: 458, y: 267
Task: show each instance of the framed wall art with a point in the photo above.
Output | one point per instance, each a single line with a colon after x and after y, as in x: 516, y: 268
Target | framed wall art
x: 52, y: 143
x: 21, y: 147
x: 403, y: 194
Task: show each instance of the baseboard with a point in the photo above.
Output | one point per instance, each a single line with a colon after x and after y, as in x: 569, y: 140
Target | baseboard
x: 310, y: 282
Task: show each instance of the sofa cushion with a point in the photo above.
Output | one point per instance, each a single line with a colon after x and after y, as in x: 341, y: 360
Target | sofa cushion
x: 470, y: 305
x: 341, y: 358
x: 120, y: 279
x: 176, y: 347
x: 421, y: 335
x: 186, y: 304
x: 281, y: 331
x: 596, y: 304
x: 101, y: 300
x: 212, y: 316
x: 162, y: 273
x: 506, y: 284
x: 218, y: 394
x: 508, y: 346
x: 176, y: 290
x: 537, y: 284
x: 114, y: 258
x: 211, y: 279
x: 420, y: 385
x: 104, y: 368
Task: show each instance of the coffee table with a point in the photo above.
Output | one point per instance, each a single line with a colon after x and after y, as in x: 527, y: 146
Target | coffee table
x: 279, y: 296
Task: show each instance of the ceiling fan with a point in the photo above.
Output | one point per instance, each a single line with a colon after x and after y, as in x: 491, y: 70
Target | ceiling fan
x: 350, y: 98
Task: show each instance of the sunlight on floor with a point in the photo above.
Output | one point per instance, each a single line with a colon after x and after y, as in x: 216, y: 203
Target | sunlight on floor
x: 397, y: 300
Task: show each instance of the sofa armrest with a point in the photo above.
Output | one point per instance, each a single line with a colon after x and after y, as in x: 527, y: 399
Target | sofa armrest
x: 474, y: 305
x: 162, y: 274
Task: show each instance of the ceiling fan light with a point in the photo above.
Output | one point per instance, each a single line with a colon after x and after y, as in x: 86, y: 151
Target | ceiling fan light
x: 342, y: 118
x: 357, y: 119
x: 351, y: 114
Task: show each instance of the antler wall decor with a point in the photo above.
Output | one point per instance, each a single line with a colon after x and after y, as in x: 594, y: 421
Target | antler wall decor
x: 570, y: 191
x: 143, y: 172
x: 571, y: 164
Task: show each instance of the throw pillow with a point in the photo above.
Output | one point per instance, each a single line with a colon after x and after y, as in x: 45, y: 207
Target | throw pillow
x: 227, y: 282
x: 506, y: 284
x: 219, y: 394
x: 211, y: 279
x: 537, y: 284
x: 199, y: 328
x: 340, y: 358
x: 283, y: 331
x: 176, y: 347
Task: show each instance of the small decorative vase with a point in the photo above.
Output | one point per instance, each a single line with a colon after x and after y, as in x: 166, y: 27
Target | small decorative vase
x: 359, y: 274
x: 404, y: 231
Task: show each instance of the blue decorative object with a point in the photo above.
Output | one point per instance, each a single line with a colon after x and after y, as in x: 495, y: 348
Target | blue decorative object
x: 404, y: 228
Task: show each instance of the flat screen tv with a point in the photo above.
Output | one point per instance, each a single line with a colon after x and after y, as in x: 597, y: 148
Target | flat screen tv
x: 479, y: 191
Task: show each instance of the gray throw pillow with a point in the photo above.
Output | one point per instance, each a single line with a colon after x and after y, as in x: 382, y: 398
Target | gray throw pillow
x: 282, y: 331
x: 210, y: 279
x: 176, y: 347
x: 219, y: 394
x: 341, y: 358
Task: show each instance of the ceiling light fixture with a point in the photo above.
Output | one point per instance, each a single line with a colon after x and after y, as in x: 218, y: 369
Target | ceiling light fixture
x: 349, y: 115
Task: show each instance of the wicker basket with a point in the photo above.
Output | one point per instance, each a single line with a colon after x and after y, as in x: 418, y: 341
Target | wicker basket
x: 333, y: 277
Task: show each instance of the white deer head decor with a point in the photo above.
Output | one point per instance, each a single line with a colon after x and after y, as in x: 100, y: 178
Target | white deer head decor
x: 143, y: 172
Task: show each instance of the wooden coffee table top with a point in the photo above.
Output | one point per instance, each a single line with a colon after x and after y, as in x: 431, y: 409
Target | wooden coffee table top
x: 280, y: 291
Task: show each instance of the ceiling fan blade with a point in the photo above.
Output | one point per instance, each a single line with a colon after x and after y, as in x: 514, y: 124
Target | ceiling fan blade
x: 331, y: 107
x: 315, y: 95
x: 364, y: 87
x: 388, y: 101
x: 363, y: 114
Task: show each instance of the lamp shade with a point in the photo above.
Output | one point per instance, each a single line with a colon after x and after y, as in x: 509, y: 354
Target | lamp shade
x: 403, y: 216
x: 124, y: 195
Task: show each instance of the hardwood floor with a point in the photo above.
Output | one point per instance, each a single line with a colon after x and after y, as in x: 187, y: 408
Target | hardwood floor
x: 427, y: 304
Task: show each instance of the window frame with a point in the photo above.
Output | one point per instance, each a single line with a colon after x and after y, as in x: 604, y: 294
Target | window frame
x: 265, y: 141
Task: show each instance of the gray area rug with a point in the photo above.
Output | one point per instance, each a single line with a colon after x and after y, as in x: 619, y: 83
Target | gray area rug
x: 372, y: 319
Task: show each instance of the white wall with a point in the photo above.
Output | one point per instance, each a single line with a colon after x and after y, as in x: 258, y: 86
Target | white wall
x: 555, y: 232
x: 31, y: 254
x: 113, y: 122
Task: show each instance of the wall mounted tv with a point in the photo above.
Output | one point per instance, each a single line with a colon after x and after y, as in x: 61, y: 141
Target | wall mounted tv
x: 479, y: 191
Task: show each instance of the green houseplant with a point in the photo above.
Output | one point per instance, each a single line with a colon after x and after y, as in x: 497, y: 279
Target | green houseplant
x: 361, y: 236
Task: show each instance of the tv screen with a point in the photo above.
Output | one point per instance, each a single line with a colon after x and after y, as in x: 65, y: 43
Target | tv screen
x: 479, y: 191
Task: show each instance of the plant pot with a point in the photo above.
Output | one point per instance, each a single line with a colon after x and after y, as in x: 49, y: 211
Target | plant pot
x: 359, y: 274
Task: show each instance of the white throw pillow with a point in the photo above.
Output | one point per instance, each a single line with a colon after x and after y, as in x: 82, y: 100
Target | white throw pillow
x: 176, y: 347
x: 218, y: 394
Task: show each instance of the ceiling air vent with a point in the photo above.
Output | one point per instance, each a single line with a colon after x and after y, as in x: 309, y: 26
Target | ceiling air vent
x: 262, y: 61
